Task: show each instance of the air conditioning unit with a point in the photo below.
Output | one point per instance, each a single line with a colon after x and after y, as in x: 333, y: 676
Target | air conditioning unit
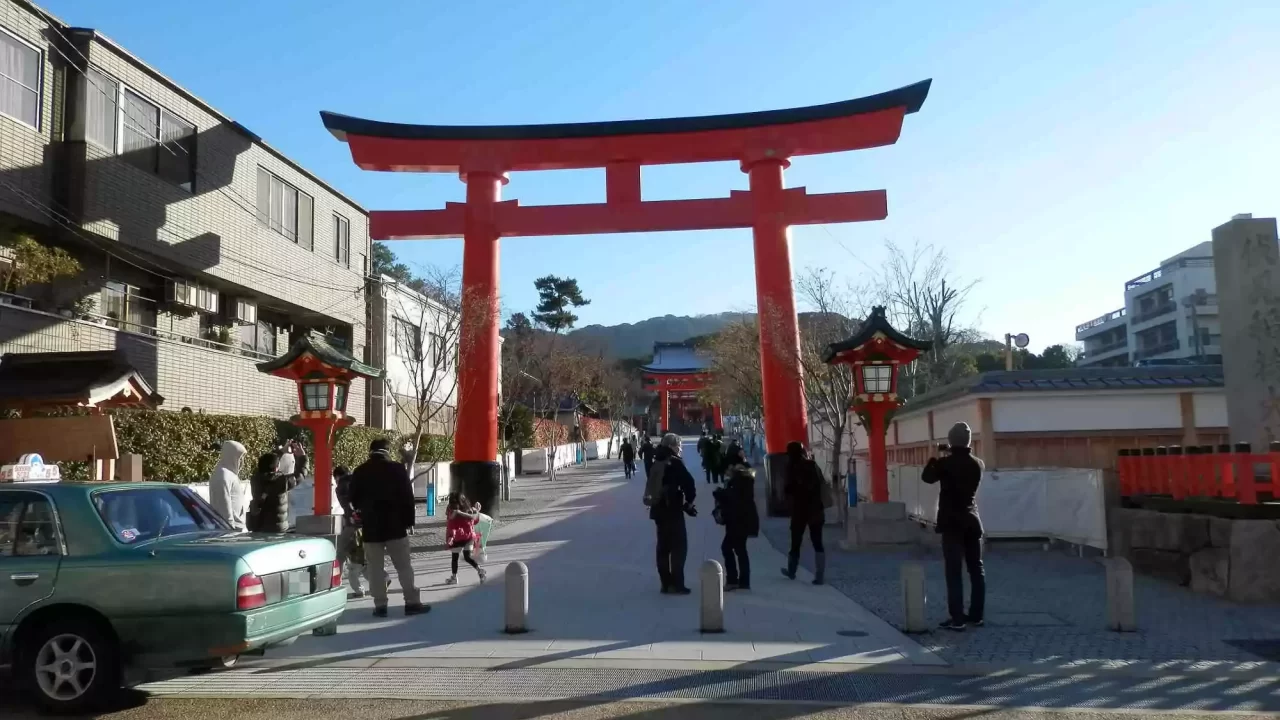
x: 239, y: 311
x: 191, y: 295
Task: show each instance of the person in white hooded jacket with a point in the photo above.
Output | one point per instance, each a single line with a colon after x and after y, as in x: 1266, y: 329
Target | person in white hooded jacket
x: 227, y: 493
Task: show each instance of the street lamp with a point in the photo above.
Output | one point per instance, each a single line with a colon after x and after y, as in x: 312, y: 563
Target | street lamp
x: 1021, y: 340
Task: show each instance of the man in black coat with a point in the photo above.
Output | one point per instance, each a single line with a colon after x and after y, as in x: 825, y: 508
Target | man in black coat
x: 669, y: 493
x: 959, y: 473
x: 628, y: 454
x: 382, y: 495
x: 647, y: 451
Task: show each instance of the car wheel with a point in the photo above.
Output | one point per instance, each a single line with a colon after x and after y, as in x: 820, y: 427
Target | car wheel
x: 226, y: 662
x: 69, y: 665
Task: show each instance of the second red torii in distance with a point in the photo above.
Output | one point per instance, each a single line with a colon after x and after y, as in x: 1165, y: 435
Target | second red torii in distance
x: 762, y: 142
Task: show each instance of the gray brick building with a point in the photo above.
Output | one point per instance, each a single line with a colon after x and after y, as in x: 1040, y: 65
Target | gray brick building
x: 203, y: 249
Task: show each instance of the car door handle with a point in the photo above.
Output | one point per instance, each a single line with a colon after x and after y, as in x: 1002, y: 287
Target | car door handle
x: 24, y: 577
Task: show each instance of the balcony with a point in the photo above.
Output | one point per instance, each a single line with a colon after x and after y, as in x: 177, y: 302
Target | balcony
x: 1098, y: 322
x: 1163, y: 270
x: 1148, y: 351
x: 1163, y: 308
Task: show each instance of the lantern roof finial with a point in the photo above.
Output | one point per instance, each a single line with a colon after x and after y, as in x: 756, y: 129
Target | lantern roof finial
x: 876, y: 322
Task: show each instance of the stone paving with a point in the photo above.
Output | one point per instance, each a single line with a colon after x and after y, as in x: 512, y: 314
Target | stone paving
x: 1047, y: 608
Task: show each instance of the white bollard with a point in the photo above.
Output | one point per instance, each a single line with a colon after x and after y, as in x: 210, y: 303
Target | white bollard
x: 711, y: 612
x: 914, y: 600
x: 1120, y: 613
x: 517, y: 605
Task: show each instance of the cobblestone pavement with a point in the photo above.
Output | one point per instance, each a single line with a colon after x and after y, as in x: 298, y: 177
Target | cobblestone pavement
x: 1048, y: 608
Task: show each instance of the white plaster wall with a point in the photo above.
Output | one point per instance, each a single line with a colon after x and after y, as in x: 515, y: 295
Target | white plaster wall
x: 1211, y: 409
x: 964, y: 410
x: 913, y: 429
x: 415, y: 309
x: 1048, y: 412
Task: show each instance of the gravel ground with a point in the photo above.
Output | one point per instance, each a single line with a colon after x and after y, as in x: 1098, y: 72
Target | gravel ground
x: 1050, y: 607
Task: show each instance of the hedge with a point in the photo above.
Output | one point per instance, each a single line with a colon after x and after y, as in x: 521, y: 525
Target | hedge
x: 182, y: 447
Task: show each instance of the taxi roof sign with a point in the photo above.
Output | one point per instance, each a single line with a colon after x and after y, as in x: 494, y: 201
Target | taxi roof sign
x: 30, y: 468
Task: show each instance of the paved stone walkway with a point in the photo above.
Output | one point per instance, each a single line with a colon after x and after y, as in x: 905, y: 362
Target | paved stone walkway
x: 1047, y: 609
x: 594, y: 594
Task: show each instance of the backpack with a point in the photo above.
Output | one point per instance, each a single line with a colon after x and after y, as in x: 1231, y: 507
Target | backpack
x: 653, y: 484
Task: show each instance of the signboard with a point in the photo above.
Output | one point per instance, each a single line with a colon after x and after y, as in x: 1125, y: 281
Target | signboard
x: 30, y: 468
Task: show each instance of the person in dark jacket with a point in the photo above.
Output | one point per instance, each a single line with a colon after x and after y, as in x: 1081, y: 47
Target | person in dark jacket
x: 669, y: 493
x: 270, y: 485
x: 628, y: 455
x: 958, y: 475
x: 350, y: 550
x: 737, y: 507
x: 647, y: 451
x: 382, y: 497
x: 803, y: 492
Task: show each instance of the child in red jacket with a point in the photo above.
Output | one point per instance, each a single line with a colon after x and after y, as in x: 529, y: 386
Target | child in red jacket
x: 460, y: 533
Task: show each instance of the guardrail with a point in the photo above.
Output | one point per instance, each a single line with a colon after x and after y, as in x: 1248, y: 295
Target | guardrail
x: 1199, y: 471
x: 1101, y: 320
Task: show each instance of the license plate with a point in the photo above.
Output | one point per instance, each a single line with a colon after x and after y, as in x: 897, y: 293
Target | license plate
x: 297, y: 583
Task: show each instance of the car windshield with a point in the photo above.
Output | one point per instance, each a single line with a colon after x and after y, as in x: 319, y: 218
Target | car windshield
x: 135, y: 515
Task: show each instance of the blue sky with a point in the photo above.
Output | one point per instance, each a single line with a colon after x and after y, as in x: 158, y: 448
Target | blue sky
x: 1064, y: 149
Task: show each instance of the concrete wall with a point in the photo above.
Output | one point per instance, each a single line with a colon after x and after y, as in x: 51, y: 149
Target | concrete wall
x: 430, y: 318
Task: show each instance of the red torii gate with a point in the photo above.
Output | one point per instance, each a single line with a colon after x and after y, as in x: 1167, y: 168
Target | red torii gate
x: 762, y: 142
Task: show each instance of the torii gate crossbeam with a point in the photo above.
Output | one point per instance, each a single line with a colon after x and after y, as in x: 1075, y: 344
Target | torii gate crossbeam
x: 762, y: 142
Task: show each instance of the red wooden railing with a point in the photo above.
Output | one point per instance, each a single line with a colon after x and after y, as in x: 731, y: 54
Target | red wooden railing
x: 1224, y: 471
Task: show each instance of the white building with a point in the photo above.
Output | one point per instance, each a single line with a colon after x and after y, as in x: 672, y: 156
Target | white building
x: 1169, y: 314
x: 416, y: 339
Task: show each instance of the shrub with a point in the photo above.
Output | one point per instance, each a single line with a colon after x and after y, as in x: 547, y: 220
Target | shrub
x: 548, y: 432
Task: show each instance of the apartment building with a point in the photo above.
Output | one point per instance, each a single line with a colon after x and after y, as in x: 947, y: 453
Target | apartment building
x: 415, y: 338
x: 1170, y: 314
x: 202, y: 249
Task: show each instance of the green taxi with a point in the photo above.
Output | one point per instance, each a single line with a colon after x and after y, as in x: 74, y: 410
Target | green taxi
x: 103, y: 583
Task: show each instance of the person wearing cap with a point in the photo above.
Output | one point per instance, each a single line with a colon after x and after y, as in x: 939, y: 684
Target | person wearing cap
x: 382, y: 498
x: 958, y: 474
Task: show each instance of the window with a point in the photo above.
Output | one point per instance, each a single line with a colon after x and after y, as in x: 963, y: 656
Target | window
x: 259, y: 337
x: 194, y: 296
x: 340, y: 397
x: 134, y: 516
x: 341, y: 240
x: 155, y: 140
x: 27, y: 526
x: 876, y: 378
x: 102, y: 114
x: 315, y: 396
x: 19, y: 80
x: 125, y: 308
x: 284, y: 208
x: 408, y: 339
x: 440, y: 353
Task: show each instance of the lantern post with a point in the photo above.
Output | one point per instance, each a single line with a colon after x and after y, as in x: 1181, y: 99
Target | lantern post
x: 323, y: 374
x: 877, y: 352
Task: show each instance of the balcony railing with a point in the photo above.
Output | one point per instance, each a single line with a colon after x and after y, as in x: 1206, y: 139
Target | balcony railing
x: 1152, y: 350
x: 1101, y: 320
x: 1104, y: 349
x: 1198, y: 261
x: 16, y: 300
x: 1163, y: 308
x: 140, y: 329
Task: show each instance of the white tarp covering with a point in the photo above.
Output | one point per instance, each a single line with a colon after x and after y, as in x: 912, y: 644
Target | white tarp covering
x: 1058, y: 503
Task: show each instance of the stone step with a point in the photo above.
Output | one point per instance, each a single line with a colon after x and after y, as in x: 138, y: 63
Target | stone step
x: 894, y: 532
x: 881, y: 512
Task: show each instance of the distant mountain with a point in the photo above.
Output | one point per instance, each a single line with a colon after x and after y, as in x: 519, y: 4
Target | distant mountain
x: 635, y: 340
